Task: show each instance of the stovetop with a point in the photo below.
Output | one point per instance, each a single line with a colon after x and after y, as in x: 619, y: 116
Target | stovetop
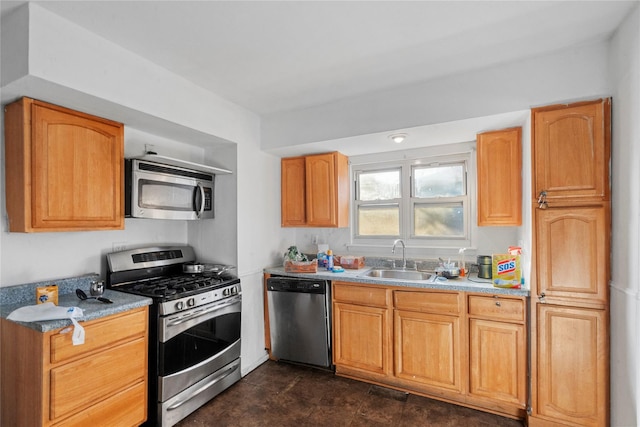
x: 177, y: 286
x: 157, y: 272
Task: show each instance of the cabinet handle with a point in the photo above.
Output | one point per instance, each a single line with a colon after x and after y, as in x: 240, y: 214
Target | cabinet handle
x: 542, y: 200
x: 541, y: 298
x: 498, y: 303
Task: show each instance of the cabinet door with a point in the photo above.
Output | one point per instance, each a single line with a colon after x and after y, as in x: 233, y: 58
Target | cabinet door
x: 321, y: 190
x: 571, y: 151
x: 572, y: 251
x: 498, y: 358
x: 572, y: 363
x: 428, y: 349
x: 361, y: 338
x: 77, y: 171
x: 500, y: 177
x: 293, y: 190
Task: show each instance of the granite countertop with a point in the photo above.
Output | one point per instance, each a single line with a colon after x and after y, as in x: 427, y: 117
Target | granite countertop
x: 14, y: 297
x: 467, y: 284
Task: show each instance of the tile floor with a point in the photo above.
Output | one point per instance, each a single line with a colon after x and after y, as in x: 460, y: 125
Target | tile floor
x: 287, y: 395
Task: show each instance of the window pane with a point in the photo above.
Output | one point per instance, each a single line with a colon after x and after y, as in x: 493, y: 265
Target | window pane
x: 438, y: 181
x: 380, y: 185
x: 379, y: 220
x: 439, y: 220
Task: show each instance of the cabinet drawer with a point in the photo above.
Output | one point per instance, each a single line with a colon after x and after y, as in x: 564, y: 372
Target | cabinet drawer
x: 429, y: 302
x: 127, y: 408
x: 495, y: 307
x: 78, y: 385
x: 375, y: 296
x: 100, y: 333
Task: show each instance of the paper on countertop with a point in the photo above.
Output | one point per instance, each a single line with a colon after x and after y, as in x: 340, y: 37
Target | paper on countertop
x: 50, y: 311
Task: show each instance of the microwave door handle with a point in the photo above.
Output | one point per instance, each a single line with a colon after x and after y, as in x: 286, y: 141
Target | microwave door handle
x: 200, y: 209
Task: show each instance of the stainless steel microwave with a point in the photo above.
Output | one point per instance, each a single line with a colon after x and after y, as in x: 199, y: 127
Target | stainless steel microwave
x: 162, y: 191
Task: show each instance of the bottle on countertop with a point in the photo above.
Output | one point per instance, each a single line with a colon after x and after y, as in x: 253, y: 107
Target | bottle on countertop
x: 329, y: 259
x: 322, y: 255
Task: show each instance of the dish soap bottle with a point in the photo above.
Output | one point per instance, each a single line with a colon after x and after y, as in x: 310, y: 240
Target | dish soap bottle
x: 322, y: 255
x: 329, y: 259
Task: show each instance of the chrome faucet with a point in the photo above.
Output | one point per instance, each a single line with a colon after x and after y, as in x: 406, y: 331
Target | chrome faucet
x: 393, y: 251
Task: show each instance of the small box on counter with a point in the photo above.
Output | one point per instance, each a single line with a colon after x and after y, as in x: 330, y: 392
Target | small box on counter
x: 47, y: 294
x: 506, y: 271
x: 350, y: 262
x: 301, y: 266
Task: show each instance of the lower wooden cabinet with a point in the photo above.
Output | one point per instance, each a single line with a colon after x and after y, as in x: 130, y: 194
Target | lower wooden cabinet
x: 571, y: 362
x: 461, y: 347
x: 427, y: 339
x: 47, y: 381
x: 498, y: 351
x: 362, y: 330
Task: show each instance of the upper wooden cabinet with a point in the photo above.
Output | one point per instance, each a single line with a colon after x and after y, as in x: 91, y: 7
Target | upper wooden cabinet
x: 315, y: 191
x: 63, y: 169
x: 571, y: 151
x: 500, y: 177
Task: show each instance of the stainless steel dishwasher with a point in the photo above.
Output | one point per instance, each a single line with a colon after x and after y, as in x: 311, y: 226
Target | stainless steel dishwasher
x: 300, y: 320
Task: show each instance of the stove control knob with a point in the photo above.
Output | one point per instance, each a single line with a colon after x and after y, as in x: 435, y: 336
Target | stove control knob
x: 234, y: 290
x: 191, y: 302
x: 179, y: 305
x: 226, y: 292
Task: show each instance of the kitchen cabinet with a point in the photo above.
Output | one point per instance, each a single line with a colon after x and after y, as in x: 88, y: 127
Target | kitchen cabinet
x: 315, y: 191
x: 293, y: 183
x: 571, y: 265
x: 498, y: 351
x: 427, y: 335
x: 64, y: 169
x: 571, y: 151
x: 570, y: 385
x: 466, y: 348
x: 46, y: 380
x: 572, y: 255
x: 499, y: 177
x: 362, y: 330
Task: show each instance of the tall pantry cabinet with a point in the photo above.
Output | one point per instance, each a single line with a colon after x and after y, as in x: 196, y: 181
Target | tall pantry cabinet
x: 571, y: 271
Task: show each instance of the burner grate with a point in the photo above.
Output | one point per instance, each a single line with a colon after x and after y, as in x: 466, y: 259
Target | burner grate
x: 174, y: 286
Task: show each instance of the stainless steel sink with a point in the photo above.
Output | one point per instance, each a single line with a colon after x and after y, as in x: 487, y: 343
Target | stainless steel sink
x: 399, y: 274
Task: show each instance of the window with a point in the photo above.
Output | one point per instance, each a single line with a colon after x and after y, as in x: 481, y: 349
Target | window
x: 423, y: 200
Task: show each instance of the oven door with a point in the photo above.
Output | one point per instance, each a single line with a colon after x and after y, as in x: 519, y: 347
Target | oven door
x: 195, y: 343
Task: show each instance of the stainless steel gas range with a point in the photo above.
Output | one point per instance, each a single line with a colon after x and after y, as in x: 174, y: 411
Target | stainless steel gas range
x: 194, y: 327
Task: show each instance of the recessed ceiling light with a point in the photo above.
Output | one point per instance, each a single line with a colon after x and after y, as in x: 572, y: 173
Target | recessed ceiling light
x: 398, y: 137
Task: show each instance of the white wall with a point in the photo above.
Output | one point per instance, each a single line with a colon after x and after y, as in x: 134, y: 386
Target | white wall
x: 625, y: 257
x: 579, y: 72
x: 57, y: 61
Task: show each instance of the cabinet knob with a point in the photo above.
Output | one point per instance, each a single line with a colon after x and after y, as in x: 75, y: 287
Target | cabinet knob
x: 498, y: 303
x: 541, y: 298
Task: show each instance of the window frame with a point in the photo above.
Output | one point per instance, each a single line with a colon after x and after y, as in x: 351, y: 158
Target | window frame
x: 406, y: 160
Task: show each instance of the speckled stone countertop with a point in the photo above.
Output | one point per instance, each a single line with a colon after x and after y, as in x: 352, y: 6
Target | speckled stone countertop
x: 13, y: 297
x: 467, y: 284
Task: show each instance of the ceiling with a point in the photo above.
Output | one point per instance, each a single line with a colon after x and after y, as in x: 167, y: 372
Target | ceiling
x: 276, y: 56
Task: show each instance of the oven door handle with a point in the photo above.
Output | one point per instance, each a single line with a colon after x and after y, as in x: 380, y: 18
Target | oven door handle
x: 222, y: 375
x: 199, y: 313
